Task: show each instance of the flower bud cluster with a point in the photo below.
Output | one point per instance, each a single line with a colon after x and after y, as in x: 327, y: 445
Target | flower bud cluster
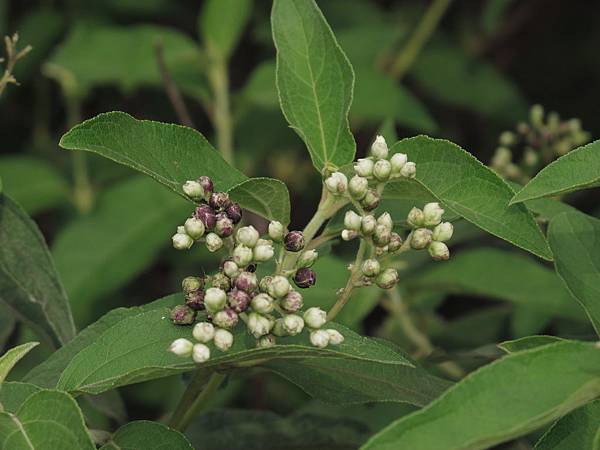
x: 428, y: 231
x: 533, y: 145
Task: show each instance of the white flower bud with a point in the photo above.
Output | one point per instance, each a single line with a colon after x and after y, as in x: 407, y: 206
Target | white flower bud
x: 278, y: 329
x: 223, y: 339
x: 415, y: 218
x: 193, y: 190
x: 432, y: 214
x: 368, y: 224
x: 266, y: 341
x: 200, y: 353
x: 194, y: 228
x: 335, y: 337
x: 358, y: 187
x: 231, y: 269
x: 213, y: 242
x: 276, y: 230
x: 443, y: 232
x: 386, y: 220
x: 348, y: 235
x: 247, y: 236
x: 315, y: 317
x: 258, y: 325
x: 292, y: 302
x: 370, y: 267
x: 182, y: 241
x: 379, y: 148
x: 242, y: 255
x: 278, y: 287
x: 181, y: 347
x: 398, y: 161
x: 319, y: 338
x: 387, y: 279
x: 439, y: 251
x: 420, y: 238
x: 263, y: 252
x: 262, y: 303
x: 214, y: 299
x: 382, y: 169
x: 352, y: 221
x: 307, y: 258
x: 409, y: 170
x: 364, y: 167
x: 203, y: 332
x: 293, y: 324
x: 337, y: 183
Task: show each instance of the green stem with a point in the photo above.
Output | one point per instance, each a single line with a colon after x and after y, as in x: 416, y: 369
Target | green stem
x: 350, y: 284
x: 419, y: 38
x: 222, y: 118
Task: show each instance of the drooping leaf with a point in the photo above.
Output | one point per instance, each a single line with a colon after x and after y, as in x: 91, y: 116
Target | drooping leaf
x: 29, y: 284
x: 12, y: 357
x: 506, y: 399
x: 222, y: 23
x: 146, y: 435
x: 314, y: 80
x: 575, y: 242
x: 527, y: 343
x: 47, y: 420
x: 13, y: 394
x: 579, y: 430
x: 579, y: 169
x: 468, y: 188
x: 266, y: 197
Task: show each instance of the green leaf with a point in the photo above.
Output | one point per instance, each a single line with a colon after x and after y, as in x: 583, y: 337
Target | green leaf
x: 32, y: 182
x: 145, y: 435
x: 266, y: 197
x: 579, y: 169
x: 511, y: 397
x: 12, y: 357
x: 315, y: 81
x: 501, y: 275
x: 13, y: 394
x: 7, y: 324
x: 47, y: 420
x: 468, y: 188
x: 126, y: 240
x: 222, y: 23
x: 575, y: 241
x: 527, y: 343
x: 171, y: 154
x: 579, y: 430
x: 29, y: 284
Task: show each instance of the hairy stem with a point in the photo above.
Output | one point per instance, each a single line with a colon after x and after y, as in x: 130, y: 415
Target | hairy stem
x: 351, y: 284
x: 222, y: 118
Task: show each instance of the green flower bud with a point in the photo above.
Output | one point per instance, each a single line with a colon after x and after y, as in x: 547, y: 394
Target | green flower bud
x: 191, y: 284
x: 278, y: 328
x: 352, y: 221
x: 432, y: 214
x: 181, y: 347
x: 415, y: 218
x: 337, y: 183
x: 194, y: 228
x: 319, y: 338
x: 226, y: 318
x: 358, y: 187
x: 221, y: 281
x: 368, y: 224
x: 443, y: 232
x: 379, y: 148
x: 420, y: 238
x: 507, y: 138
x: 409, y: 170
x: 223, y: 340
x: 204, y: 332
x: 266, y: 341
x: 276, y: 230
x: 439, y: 251
x: 364, y: 167
x: 278, y: 286
x: 371, y: 200
x: 398, y: 161
x: 502, y: 157
x: 247, y: 236
x: 215, y: 299
x: 182, y: 241
x: 307, y: 258
x: 262, y: 303
x: 348, y: 235
x: 258, y: 325
x: 382, y: 170
x: 387, y: 279
x: 293, y: 324
x: 200, y: 353
x: 242, y: 255
x: 395, y: 243
x: 315, y: 317
x: 231, y: 269
x: 335, y: 337
x: 263, y: 284
x: 382, y: 235
x: 264, y: 252
x: 193, y: 190
x: 386, y: 220
x: 183, y: 315
x: 536, y: 115
x: 213, y: 242
x: 370, y: 267
x: 530, y: 157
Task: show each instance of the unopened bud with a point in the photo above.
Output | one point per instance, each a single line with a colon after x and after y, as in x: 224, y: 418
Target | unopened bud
x: 213, y: 242
x: 409, y: 170
x: 278, y: 286
x: 292, y: 302
x: 263, y: 284
x: 258, y: 325
x: 387, y: 279
x: 223, y: 340
x: 507, y: 138
x: 278, y: 329
x: 226, y: 318
x: 234, y: 212
x: 395, y: 243
x: 219, y: 201
x: 203, y: 332
x: 307, y: 258
x: 439, y: 251
x: 231, y: 269
x: 364, y: 168
x: 263, y: 252
x: 193, y: 190
x: 293, y: 324
x: 370, y: 267
x: 247, y: 281
x: 348, y: 235
x: 181, y: 347
x: 315, y: 317
x: 368, y: 224
x: 358, y: 187
x: 294, y: 241
x: 420, y: 238
x: 262, y: 303
x: 379, y: 148
x: 183, y: 315
x: 276, y: 230
x: 215, y: 299
x: 242, y: 255
x: 398, y: 161
x: 195, y: 299
x: 370, y: 200
x: 382, y: 235
x: 432, y: 214
x: 200, y: 353
x: 443, y: 232
x: 194, y: 228
x: 415, y: 218
x: 207, y: 215
x: 221, y: 281
x: 386, y: 220
x: 182, y: 241
x: 337, y: 183
x: 382, y: 169
x: 207, y: 185
x: 335, y: 337
x: 238, y: 300
x: 224, y: 226
x: 352, y: 221
x: 536, y: 115
x: 247, y: 236
x: 305, y: 277
x: 266, y: 341
x: 319, y: 338
x: 190, y: 284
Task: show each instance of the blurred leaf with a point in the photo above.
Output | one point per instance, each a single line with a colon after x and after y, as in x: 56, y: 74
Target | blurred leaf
x: 222, y: 23
x: 260, y: 88
x: 574, y: 239
x: 511, y: 397
x: 468, y: 188
x: 12, y: 357
x: 125, y: 241
x: 501, y: 275
x: 47, y: 420
x: 32, y: 182
x: 13, y: 394
x: 7, y: 324
x: 314, y: 80
x: 579, y: 169
x: 29, y: 283
x: 579, y: 430
x: 492, y: 14
x: 528, y: 343
x: 526, y: 321
x: 266, y: 197
x: 145, y: 435
x: 353, y: 14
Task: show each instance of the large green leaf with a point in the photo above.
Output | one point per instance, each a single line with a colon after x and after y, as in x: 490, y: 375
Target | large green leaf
x: 12, y: 357
x: 575, y: 242
x: 579, y: 430
x: 13, y: 394
x: 125, y: 241
x: 506, y: 399
x: 221, y: 24
x: 266, y: 197
x: 579, y: 169
x: 468, y: 188
x: 47, y: 420
x: 315, y: 81
x: 29, y: 284
x: 501, y: 275
x: 145, y: 435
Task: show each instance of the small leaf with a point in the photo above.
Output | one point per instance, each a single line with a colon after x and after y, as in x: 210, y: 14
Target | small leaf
x: 222, y: 23
x: 29, y: 283
x: 579, y: 169
x: 266, y: 197
x: 13, y: 394
x: 527, y: 343
x: 468, y: 188
x: 12, y: 357
x: 511, y: 397
x: 314, y: 80
x: 574, y: 241
x: 145, y: 435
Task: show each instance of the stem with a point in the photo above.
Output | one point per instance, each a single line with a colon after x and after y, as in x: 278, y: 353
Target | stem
x: 219, y: 81
x: 351, y: 283
x: 194, y: 398
x: 419, y: 38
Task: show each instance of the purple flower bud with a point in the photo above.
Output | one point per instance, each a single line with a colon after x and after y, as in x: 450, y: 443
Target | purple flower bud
x: 305, y: 277
x: 183, y: 315
x: 247, y: 281
x: 292, y: 302
x: 219, y: 201
x: 221, y: 281
x: 238, y: 300
x: 195, y: 299
x: 370, y: 200
x: 224, y: 226
x: 226, y: 318
x: 294, y: 241
x: 234, y: 212
x: 207, y: 215
x: 207, y: 185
